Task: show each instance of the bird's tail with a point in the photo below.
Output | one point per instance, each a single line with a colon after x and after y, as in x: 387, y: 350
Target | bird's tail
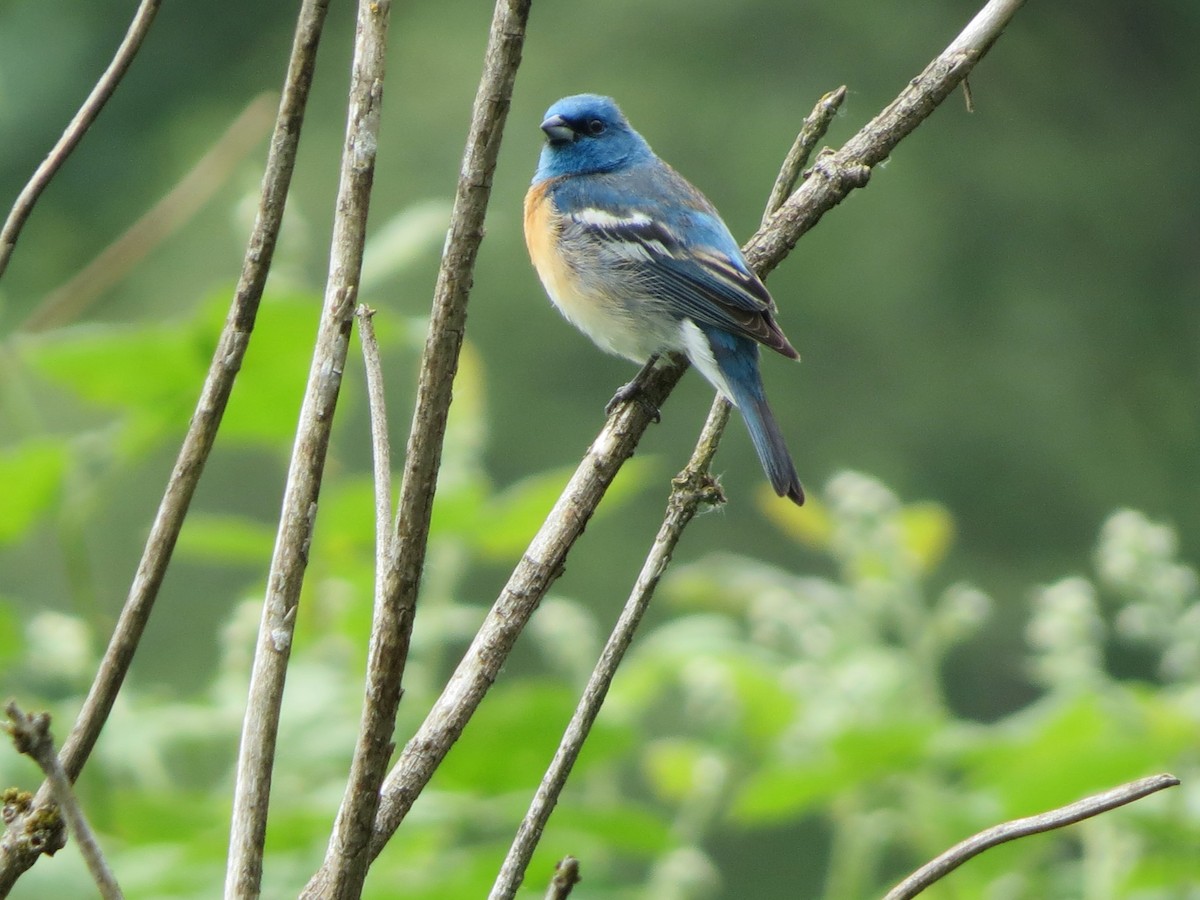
x: 768, y: 442
x: 730, y: 362
x: 743, y: 385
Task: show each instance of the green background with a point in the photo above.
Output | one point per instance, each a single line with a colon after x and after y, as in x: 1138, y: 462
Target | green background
x: 1005, y: 322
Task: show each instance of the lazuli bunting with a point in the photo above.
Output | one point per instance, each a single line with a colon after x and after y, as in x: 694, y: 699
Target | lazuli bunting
x: 640, y: 262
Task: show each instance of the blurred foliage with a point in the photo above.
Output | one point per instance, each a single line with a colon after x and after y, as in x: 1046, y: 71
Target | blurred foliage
x: 771, y: 711
x: 1006, y: 322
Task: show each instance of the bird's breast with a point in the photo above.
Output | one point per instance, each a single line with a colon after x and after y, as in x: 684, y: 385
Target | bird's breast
x: 543, y: 234
x: 590, y: 295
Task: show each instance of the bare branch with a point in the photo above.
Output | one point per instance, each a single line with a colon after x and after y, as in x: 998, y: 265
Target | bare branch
x: 256, y: 754
x: 692, y: 487
x: 834, y: 176
x: 347, y: 859
x: 30, y: 831
x: 547, y: 553
x: 227, y: 360
x: 142, y: 19
x: 31, y: 735
x: 811, y: 131
x: 66, y: 302
x: 566, y: 876
x: 381, y: 445
x: 1047, y: 821
x: 401, y: 577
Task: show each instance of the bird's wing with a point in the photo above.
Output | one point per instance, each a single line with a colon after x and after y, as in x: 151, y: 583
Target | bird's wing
x: 679, y: 252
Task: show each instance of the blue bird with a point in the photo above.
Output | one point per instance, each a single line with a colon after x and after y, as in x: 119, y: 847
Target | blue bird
x: 639, y: 261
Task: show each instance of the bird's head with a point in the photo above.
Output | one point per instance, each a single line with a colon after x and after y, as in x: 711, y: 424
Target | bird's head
x: 588, y: 133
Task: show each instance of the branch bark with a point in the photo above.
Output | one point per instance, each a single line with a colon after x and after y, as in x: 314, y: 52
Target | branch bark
x: 105, y: 87
x: 31, y: 735
x: 346, y: 861
x: 833, y: 177
x: 537, y: 570
x: 811, y: 133
x: 256, y: 755
x: 693, y: 487
x: 202, y: 431
x: 566, y: 876
x: 1008, y: 831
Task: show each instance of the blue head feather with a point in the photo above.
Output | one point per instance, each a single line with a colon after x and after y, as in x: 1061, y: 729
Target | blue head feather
x: 588, y: 133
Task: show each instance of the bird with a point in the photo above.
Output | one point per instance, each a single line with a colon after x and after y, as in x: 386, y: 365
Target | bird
x: 641, y: 262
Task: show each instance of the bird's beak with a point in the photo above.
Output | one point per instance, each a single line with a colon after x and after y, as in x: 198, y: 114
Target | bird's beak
x: 557, y: 130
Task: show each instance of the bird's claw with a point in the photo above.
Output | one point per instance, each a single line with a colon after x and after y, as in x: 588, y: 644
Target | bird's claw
x: 632, y: 390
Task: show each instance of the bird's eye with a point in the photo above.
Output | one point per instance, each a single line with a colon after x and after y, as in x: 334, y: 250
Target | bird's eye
x: 595, y: 127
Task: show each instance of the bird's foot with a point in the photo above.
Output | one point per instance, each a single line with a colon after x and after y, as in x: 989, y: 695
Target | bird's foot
x: 634, y: 389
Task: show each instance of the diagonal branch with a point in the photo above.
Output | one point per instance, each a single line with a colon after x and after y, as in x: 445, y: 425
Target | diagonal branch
x: 130, y: 44
x: 811, y: 133
x: 691, y: 489
x: 834, y: 176
x: 31, y: 735
x: 256, y: 755
x: 1008, y: 831
x: 67, y: 301
x: 536, y: 571
x: 210, y: 408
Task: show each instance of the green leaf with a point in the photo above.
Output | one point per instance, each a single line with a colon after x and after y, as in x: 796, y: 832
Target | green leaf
x: 266, y: 399
x: 865, y: 754
x: 525, y: 718
x: 458, y: 512
x: 671, y: 766
x: 32, y: 475
x: 509, y: 522
x: 787, y: 786
x: 347, y: 516
x: 159, y: 817
x: 226, y: 539
x: 11, y: 643
x: 1068, y: 749
x: 152, y: 373
x: 784, y: 790
x: 620, y: 825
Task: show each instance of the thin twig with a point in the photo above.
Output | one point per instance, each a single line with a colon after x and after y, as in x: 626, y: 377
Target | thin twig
x: 347, y: 858
x: 114, y: 262
x: 78, y: 126
x: 402, y: 575
x: 693, y: 487
x: 566, y: 876
x: 381, y: 445
x: 835, y: 175
x: 256, y: 754
x: 31, y: 735
x: 546, y: 555
x: 1047, y: 821
x: 227, y: 360
x: 811, y: 131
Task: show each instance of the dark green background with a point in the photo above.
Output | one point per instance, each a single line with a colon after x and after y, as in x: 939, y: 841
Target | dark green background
x: 1005, y: 321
